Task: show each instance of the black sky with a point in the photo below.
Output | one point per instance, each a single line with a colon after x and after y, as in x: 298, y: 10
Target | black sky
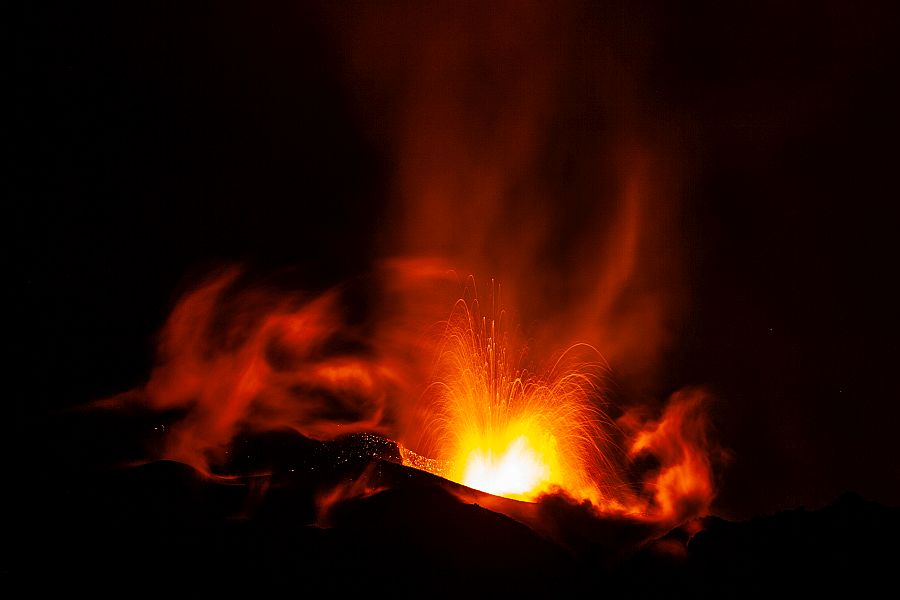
x: 163, y: 139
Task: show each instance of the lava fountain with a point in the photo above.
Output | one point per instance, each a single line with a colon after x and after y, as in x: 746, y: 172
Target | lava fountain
x: 495, y: 427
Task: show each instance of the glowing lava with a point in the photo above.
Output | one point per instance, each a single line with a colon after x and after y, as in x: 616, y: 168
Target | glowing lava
x: 514, y: 472
x: 503, y: 430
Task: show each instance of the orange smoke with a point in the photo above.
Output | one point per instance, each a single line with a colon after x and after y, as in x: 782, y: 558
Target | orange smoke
x: 682, y: 486
x: 241, y: 359
x: 523, y: 150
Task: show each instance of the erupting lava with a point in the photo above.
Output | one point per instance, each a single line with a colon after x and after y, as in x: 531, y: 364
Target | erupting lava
x: 516, y: 471
x: 498, y: 429
x: 238, y: 360
x: 475, y: 107
x: 506, y: 431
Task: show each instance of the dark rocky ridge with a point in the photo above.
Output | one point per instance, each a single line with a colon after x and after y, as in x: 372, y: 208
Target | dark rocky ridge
x: 96, y: 524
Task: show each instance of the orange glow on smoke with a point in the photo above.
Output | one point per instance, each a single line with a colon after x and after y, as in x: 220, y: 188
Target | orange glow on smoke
x: 244, y: 359
x: 525, y: 151
x: 683, y: 485
x: 473, y: 105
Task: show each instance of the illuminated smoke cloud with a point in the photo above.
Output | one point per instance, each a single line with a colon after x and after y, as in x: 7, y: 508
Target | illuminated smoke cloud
x: 523, y: 153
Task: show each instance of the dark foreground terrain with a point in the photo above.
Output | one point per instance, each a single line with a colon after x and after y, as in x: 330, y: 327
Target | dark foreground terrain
x: 89, y: 523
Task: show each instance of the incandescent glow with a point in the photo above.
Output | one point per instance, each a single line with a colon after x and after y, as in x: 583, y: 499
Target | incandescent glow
x: 500, y: 429
x: 514, y: 471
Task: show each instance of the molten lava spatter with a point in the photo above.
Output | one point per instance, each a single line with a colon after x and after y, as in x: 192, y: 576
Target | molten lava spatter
x: 503, y: 430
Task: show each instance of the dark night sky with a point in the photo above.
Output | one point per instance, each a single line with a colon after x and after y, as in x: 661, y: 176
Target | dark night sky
x: 161, y: 140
